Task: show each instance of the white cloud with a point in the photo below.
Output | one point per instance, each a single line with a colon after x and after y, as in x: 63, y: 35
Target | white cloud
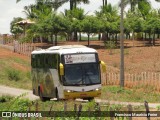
x: 8, y: 10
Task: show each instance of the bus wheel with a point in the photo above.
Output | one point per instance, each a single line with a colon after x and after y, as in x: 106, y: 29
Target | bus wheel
x: 43, y: 99
x: 90, y: 99
x: 57, y: 96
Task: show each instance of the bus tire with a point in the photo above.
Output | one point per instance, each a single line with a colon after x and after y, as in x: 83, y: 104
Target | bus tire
x: 57, y: 96
x: 43, y: 99
x: 90, y: 99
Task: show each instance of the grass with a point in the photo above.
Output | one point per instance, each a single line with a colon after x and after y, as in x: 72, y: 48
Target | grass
x: 137, y: 94
x: 13, y: 75
x: 65, y: 108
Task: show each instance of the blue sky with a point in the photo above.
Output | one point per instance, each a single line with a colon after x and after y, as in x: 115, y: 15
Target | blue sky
x: 9, y: 9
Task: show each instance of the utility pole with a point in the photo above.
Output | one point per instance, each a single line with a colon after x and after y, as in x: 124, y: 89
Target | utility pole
x: 122, y: 47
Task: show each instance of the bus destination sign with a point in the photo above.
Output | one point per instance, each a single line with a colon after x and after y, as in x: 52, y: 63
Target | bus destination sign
x: 79, y: 58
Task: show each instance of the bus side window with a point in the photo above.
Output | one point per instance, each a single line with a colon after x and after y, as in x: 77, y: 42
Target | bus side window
x: 33, y: 61
x: 38, y: 61
x: 46, y: 61
x: 53, y: 61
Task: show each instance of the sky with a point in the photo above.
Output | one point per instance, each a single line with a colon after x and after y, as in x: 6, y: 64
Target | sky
x: 10, y: 9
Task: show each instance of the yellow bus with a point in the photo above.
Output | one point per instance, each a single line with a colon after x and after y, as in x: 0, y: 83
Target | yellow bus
x: 66, y: 72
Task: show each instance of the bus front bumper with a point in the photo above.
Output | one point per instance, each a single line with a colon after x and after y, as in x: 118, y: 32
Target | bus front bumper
x: 87, y: 94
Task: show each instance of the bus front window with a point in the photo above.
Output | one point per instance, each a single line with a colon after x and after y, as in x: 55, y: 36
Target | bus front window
x: 82, y: 74
x: 73, y: 75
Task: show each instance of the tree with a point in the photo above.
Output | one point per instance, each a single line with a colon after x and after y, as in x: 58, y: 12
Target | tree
x: 53, y: 3
x: 91, y: 25
x: 133, y: 3
x: 133, y: 23
x: 76, y: 16
x: 14, y: 28
x: 73, y: 3
x: 108, y: 14
x: 152, y: 26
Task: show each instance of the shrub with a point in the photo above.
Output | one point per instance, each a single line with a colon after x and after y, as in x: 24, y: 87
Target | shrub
x: 28, y: 74
x: 110, y: 45
x: 5, y: 98
x: 13, y: 74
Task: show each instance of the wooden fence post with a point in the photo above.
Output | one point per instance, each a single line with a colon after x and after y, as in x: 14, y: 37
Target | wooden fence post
x: 147, y: 109
x: 37, y: 108
x: 79, y: 111
x: 111, y: 114
x: 129, y: 111
x: 65, y: 106
x: 97, y: 109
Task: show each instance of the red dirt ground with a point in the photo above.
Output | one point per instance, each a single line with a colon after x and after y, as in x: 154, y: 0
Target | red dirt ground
x: 7, y: 54
x: 138, y: 58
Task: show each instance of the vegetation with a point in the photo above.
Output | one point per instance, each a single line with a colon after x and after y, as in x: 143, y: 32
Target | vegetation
x: 137, y: 94
x: 15, y: 72
x: 141, y: 18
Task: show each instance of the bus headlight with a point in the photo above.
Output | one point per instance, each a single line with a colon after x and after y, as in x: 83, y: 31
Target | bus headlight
x: 68, y: 91
x: 97, y: 89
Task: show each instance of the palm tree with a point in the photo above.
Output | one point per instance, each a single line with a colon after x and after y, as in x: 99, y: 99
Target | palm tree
x: 54, y: 3
x: 104, y: 2
x: 109, y: 15
x: 73, y: 3
x: 134, y: 3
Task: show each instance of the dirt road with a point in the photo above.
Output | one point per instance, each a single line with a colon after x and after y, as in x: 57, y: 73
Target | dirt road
x: 4, y: 90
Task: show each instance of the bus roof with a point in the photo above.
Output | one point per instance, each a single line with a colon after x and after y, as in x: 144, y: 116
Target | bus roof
x: 66, y: 49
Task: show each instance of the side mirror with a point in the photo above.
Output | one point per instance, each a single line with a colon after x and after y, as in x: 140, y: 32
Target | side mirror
x: 61, y: 69
x: 103, y: 66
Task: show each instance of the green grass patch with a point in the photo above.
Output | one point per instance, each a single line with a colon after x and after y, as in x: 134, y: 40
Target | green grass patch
x: 13, y: 74
x: 137, y: 94
x: 10, y: 75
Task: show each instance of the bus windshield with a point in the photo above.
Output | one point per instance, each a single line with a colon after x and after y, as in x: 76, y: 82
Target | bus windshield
x: 82, y: 74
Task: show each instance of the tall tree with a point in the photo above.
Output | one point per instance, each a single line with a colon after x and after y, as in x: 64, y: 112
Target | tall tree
x: 73, y: 3
x: 14, y: 28
x: 108, y: 14
x: 91, y: 25
x: 54, y: 3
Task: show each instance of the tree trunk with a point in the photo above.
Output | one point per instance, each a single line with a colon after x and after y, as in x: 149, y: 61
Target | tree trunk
x: 80, y: 36
x: 41, y: 39
x: 133, y: 37
x: 99, y: 36
x: 105, y: 2
x: 75, y: 36
x: 56, y: 39
x: 150, y: 39
x: 104, y: 36
x: 71, y: 4
x: 145, y: 34
x: 154, y: 39
x: 88, y: 39
x: 158, y: 34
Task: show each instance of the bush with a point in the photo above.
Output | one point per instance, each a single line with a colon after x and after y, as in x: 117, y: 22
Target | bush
x: 5, y: 98
x: 13, y: 74
x: 110, y: 45
x: 20, y: 105
x: 28, y: 74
